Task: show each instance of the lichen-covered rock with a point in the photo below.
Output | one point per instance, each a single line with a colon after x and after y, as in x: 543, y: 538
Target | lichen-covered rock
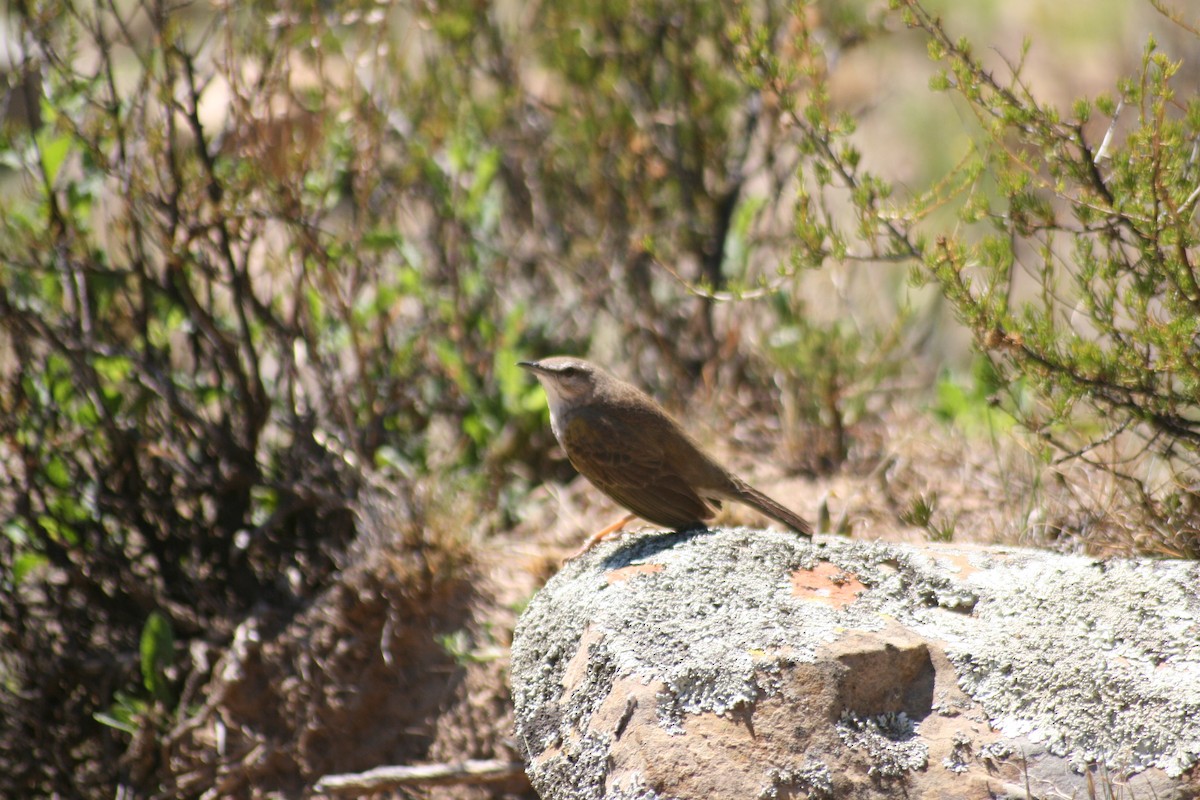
x: 746, y: 664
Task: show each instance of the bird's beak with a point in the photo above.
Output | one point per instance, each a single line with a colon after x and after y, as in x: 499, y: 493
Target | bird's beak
x: 532, y: 366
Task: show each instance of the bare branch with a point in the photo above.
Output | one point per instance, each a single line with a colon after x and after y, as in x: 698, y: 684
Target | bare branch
x: 382, y: 779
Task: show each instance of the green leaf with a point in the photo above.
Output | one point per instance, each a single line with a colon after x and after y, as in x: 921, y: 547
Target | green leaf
x: 57, y: 473
x: 54, y: 150
x: 113, y: 721
x: 512, y: 380
x: 17, y: 532
x: 58, y: 531
x: 112, y: 368
x: 157, y: 652
x: 26, y: 563
x: 124, y: 714
x: 534, y: 401
x: 382, y: 239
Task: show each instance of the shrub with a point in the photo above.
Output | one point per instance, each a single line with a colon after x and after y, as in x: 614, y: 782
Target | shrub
x: 254, y: 262
x: 1072, y: 261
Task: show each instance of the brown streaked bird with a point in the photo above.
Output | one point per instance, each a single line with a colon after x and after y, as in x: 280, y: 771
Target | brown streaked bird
x: 637, y: 454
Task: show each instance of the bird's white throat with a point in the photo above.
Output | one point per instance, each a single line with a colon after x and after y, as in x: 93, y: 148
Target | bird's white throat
x: 557, y: 408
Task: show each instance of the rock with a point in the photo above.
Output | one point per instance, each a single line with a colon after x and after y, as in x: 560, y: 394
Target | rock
x: 751, y: 664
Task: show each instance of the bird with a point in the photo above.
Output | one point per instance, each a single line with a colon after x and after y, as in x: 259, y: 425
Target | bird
x: 632, y: 450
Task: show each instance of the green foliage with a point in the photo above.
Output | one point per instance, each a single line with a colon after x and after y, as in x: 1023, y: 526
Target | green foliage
x: 975, y: 403
x: 831, y: 372
x: 243, y: 281
x: 464, y: 649
x: 1072, y: 260
x: 129, y: 713
x: 157, y: 655
x: 125, y: 714
x: 923, y: 513
x: 1103, y: 330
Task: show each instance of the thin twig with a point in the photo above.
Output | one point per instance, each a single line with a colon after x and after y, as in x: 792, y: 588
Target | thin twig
x: 382, y: 779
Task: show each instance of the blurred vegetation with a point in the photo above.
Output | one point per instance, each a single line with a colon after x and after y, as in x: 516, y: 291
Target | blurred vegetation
x: 1075, y: 269
x: 259, y: 261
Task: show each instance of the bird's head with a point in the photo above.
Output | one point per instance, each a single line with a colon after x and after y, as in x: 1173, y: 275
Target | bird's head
x: 567, y: 380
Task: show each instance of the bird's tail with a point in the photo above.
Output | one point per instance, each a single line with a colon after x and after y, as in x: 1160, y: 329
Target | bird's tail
x: 759, y: 501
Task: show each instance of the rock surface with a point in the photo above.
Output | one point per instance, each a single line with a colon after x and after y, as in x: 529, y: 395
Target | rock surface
x: 748, y: 664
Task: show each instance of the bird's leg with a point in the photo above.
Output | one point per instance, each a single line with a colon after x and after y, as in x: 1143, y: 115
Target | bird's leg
x: 600, y: 536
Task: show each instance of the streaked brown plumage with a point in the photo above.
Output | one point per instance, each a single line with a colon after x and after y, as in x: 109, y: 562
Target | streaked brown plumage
x: 637, y: 454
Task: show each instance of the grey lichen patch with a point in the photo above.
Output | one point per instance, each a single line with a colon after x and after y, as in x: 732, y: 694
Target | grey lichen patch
x: 996, y: 752
x: 711, y: 625
x: 961, y: 754
x: 889, y: 740
x: 579, y: 774
x: 813, y: 778
x: 634, y: 789
x: 697, y: 625
x: 1098, y: 660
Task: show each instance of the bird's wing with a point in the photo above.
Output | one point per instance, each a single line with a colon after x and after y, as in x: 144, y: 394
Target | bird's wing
x: 631, y: 469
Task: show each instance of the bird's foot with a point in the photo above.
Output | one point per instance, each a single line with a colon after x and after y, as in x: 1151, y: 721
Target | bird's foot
x: 600, y: 536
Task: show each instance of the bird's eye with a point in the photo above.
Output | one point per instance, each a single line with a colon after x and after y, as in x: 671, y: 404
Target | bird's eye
x: 570, y: 372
